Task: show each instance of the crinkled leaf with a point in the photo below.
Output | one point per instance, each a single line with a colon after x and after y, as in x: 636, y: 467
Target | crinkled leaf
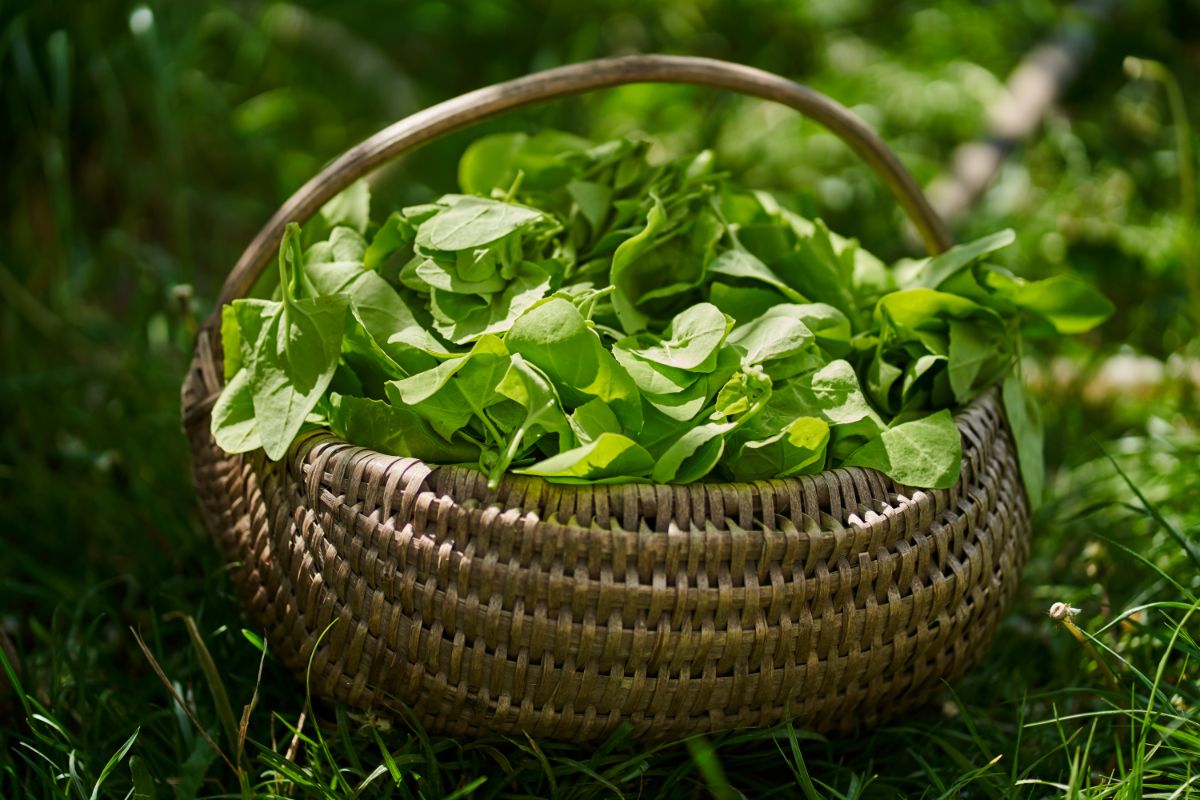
x: 925, y: 452
x: 473, y: 222
x: 691, y: 339
x: 771, y: 337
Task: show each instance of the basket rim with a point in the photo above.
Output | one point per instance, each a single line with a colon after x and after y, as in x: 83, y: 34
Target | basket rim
x: 319, y: 455
x: 320, y: 445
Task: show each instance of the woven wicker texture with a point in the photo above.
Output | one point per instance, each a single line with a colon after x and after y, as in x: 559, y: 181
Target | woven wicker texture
x: 562, y: 611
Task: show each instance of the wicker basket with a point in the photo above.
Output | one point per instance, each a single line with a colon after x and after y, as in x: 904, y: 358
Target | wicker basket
x: 561, y: 611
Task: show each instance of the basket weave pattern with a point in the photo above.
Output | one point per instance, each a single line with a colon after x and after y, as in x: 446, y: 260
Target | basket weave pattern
x: 563, y: 610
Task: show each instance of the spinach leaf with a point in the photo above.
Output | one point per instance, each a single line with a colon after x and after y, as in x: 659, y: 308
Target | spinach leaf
x: 472, y: 222
x: 583, y: 314
x: 631, y: 280
x: 609, y: 455
x: 691, y: 340
x: 745, y: 265
x: 542, y: 413
x: 292, y: 366
x: 1025, y: 421
x: 351, y: 208
x: 457, y: 390
x: 464, y: 320
x: 289, y: 351
x: 797, y: 449
x: 772, y: 336
x: 1068, y: 304
x: 233, y: 421
x: 974, y: 360
x: 556, y: 338
x: 384, y: 313
x: 932, y: 273
x: 925, y: 452
x: 592, y: 419
x: 393, y: 429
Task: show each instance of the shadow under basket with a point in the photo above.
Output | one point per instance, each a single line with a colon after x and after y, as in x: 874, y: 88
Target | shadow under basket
x: 840, y: 599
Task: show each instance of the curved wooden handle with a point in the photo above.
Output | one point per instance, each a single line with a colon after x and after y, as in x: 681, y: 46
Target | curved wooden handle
x: 426, y: 125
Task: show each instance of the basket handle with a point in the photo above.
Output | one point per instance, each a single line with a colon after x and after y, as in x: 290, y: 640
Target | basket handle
x: 459, y: 112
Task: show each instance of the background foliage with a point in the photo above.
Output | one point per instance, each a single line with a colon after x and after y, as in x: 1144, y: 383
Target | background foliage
x: 142, y: 146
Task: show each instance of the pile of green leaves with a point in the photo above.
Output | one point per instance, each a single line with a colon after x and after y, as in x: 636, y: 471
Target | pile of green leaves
x: 583, y: 314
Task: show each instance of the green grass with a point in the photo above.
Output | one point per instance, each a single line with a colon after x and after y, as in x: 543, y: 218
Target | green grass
x: 140, y: 154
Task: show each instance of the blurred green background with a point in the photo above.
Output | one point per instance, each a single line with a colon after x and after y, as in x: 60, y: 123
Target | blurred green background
x: 142, y: 146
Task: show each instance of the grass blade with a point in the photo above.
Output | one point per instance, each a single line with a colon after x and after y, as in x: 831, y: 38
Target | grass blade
x: 709, y: 766
x: 215, y: 685
x: 143, y: 781
x: 1184, y: 542
x: 116, y: 759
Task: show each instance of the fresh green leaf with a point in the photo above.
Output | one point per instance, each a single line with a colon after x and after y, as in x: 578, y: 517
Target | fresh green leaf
x: 465, y: 318
x: 1025, y: 422
x: 745, y: 265
x: 691, y: 340
x: 233, y: 425
x: 932, y: 273
x: 473, y: 222
x: 925, y: 452
x: 555, y: 337
x: 609, y: 455
x: 351, y: 208
x: 592, y: 419
x: 692, y: 455
x: 1066, y: 302
x: 292, y: 366
x: 457, y: 390
x: 771, y: 337
x: 798, y: 449
x: 394, y: 429
x: 630, y: 281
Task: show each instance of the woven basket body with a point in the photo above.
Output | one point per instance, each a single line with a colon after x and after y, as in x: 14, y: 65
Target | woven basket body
x: 840, y: 599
